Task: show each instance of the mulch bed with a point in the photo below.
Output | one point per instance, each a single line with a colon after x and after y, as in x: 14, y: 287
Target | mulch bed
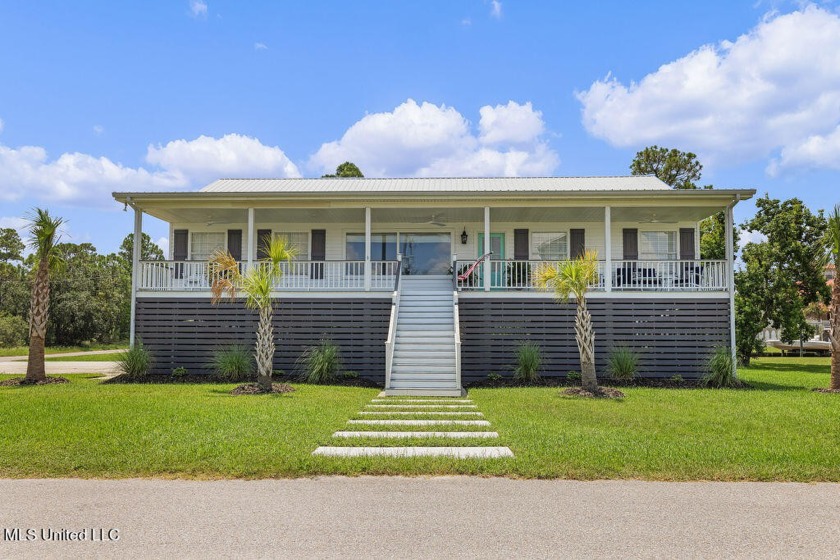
x: 824, y: 390
x: 21, y: 381
x: 155, y: 379
x: 254, y: 389
x: 601, y: 393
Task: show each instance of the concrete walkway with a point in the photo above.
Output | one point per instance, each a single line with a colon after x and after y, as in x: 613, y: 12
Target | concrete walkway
x: 451, y: 517
x: 60, y: 355
x: 60, y: 368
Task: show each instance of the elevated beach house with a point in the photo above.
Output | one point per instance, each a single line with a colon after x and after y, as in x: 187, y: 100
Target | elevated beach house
x: 391, y: 270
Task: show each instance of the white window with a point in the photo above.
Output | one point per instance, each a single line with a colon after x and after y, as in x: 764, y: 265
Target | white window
x: 550, y: 246
x: 204, y: 244
x: 297, y: 239
x: 657, y: 245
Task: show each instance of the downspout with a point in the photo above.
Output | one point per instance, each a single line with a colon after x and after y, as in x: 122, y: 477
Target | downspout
x: 730, y: 273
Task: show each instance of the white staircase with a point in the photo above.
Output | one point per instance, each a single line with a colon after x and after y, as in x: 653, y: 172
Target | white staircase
x: 424, y: 357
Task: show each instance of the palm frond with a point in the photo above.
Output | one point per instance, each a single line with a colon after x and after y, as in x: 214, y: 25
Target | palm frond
x: 256, y: 284
x: 224, y: 274
x: 44, y: 234
x: 833, y: 236
x: 568, y: 278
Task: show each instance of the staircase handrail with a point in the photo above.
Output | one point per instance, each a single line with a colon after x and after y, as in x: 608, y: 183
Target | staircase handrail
x: 392, y: 326
x: 456, y: 318
x: 469, y: 271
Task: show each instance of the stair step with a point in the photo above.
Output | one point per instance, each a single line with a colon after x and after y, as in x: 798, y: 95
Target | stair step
x: 424, y: 361
x: 411, y: 400
x: 404, y: 406
x: 455, y: 452
x: 453, y: 435
x: 374, y: 422
x: 419, y: 355
x: 424, y: 374
x: 424, y: 392
x: 419, y: 413
x: 424, y: 346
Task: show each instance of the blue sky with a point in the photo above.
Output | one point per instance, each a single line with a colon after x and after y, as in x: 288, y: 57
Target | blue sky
x: 97, y: 96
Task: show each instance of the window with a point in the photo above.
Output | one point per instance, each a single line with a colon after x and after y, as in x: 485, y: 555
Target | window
x: 383, y: 246
x: 657, y: 245
x: 204, y: 244
x: 550, y: 246
x: 297, y: 239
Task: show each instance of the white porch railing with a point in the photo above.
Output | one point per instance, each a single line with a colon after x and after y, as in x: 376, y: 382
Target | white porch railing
x: 645, y: 276
x: 162, y: 276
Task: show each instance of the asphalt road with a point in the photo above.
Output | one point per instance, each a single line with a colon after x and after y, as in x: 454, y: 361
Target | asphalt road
x: 451, y: 517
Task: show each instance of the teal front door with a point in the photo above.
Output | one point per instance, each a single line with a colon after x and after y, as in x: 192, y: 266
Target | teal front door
x: 497, y: 245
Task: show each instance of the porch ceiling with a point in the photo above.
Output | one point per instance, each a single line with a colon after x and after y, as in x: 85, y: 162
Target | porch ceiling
x: 438, y: 214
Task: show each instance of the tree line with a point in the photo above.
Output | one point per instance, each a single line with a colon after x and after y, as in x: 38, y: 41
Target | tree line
x: 89, y: 292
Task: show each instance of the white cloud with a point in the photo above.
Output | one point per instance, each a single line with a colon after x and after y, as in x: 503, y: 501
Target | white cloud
x: 198, y: 8
x: 163, y: 243
x: 776, y: 87
x: 1, y: 125
x: 78, y: 178
x: 819, y: 150
x: 428, y: 140
x: 466, y: 22
x: 496, y: 9
x: 16, y: 223
x: 233, y: 155
x: 260, y: 46
x: 98, y: 129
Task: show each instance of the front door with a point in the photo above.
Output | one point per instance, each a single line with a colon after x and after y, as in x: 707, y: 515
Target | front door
x: 497, y: 245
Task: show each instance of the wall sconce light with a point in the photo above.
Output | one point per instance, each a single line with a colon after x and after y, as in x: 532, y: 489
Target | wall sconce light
x: 464, y: 237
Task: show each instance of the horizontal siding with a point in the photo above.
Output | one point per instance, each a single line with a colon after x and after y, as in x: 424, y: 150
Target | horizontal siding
x: 671, y: 336
x: 184, y: 332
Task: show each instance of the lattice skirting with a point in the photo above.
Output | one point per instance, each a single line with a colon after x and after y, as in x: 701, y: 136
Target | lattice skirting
x: 671, y: 336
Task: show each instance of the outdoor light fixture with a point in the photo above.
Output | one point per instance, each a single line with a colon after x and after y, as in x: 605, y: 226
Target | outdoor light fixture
x: 464, y: 237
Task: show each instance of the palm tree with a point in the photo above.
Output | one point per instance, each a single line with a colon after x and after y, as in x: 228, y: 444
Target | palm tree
x: 573, y: 278
x: 256, y: 285
x: 44, y: 236
x: 833, y: 242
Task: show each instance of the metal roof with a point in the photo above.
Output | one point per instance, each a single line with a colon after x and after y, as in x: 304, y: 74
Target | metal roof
x: 436, y: 184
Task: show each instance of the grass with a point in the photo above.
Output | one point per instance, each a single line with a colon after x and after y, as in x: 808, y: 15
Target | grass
x: 89, y: 358
x: 24, y: 350
x: 778, y: 430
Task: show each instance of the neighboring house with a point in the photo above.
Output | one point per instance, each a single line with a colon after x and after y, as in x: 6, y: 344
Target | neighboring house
x: 386, y: 270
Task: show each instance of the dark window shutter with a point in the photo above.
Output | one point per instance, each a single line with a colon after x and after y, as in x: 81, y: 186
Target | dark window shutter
x: 181, y: 243
x: 318, y: 253
x: 520, y: 245
x: 263, y: 239
x: 319, y: 245
x: 234, y: 243
x: 687, y: 244
x: 577, y: 243
x: 631, y: 244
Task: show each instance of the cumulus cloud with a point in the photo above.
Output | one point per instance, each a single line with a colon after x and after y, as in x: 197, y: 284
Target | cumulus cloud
x: 163, y: 243
x: 428, y: 140
x: 260, y: 46
x: 14, y: 222
x: 78, y: 178
x: 198, y: 8
x: 496, y: 9
x: 233, y: 155
x: 775, y: 89
x: 98, y: 129
x: 1, y: 125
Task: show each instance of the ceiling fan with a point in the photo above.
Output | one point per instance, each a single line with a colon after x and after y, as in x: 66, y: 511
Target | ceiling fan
x: 653, y: 219
x: 435, y: 219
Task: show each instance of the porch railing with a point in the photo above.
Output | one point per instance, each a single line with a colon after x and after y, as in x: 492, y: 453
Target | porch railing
x: 624, y: 275
x: 162, y: 276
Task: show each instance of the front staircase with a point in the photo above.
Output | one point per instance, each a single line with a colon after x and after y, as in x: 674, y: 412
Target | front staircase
x: 424, y: 356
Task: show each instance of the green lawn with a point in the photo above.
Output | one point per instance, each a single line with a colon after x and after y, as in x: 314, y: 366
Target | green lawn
x: 779, y: 430
x: 24, y: 350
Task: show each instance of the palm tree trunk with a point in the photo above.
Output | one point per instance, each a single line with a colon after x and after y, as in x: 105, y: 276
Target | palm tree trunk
x: 38, y: 313
x: 265, y: 348
x: 585, y: 338
x: 834, y: 335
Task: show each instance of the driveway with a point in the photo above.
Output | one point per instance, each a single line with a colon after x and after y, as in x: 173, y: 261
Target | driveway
x: 422, y: 518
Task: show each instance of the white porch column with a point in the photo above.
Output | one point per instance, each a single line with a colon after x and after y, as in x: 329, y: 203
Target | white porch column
x: 367, y: 249
x: 730, y: 272
x: 487, y: 245
x: 135, y: 270
x: 250, y: 260
x: 607, y: 248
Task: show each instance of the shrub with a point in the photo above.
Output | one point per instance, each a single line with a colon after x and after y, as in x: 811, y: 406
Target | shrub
x: 573, y: 376
x: 350, y: 375
x: 493, y: 376
x: 135, y: 362
x: 14, y: 331
x: 179, y: 372
x: 721, y: 370
x: 234, y: 362
x: 321, y: 363
x: 677, y: 379
x: 623, y: 363
x: 528, y: 361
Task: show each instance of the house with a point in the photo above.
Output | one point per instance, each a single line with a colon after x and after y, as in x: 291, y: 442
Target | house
x: 391, y: 271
